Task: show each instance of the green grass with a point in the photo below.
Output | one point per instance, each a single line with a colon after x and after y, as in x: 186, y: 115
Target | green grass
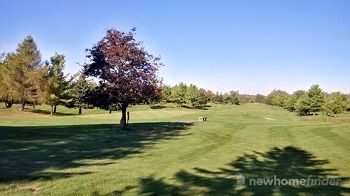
x: 167, y: 152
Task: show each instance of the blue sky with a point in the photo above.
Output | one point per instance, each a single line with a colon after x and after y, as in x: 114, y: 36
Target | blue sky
x: 253, y: 46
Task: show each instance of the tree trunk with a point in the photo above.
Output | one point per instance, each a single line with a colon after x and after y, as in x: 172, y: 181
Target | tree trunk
x: 23, y: 105
x: 54, y: 109
x: 8, y: 104
x: 33, y: 106
x: 123, y: 122
x: 51, y: 110
x: 79, y: 110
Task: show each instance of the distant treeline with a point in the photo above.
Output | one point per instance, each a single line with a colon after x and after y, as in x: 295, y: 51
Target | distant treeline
x: 313, y: 101
x: 192, y: 95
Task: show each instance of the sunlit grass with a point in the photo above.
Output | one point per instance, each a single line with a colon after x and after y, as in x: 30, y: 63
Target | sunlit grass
x: 165, y: 151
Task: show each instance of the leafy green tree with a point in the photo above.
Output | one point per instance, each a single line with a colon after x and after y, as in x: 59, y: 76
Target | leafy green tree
x: 195, y: 96
x: 183, y: 94
x: 303, y: 105
x: 57, y: 88
x: 278, y: 98
x: 231, y: 98
x: 336, y: 103
x: 289, y: 103
x: 191, y: 96
x: 178, y: 94
x: 316, y: 96
x: 166, y: 94
x: 21, y: 72
x: 204, y: 96
x: 291, y: 100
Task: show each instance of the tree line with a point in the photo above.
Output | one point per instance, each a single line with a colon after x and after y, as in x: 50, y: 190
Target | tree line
x: 27, y: 80
x: 191, y: 95
x: 312, y: 101
x: 125, y: 74
x: 119, y: 73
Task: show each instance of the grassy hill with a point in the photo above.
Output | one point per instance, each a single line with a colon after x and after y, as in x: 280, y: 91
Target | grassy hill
x: 167, y: 151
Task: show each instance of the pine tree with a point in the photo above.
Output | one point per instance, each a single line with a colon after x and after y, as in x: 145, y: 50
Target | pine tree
x: 56, y: 91
x: 80, y: 90
x: 21, y: 71
x: 303, y: 104
x: 336, y: 103
x: 316, y: 96
x: 4, y: 90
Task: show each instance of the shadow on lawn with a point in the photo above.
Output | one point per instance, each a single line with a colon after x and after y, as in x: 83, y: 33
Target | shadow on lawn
x: 47, y: 112
x: 25, y: 152
x: 289, y: 163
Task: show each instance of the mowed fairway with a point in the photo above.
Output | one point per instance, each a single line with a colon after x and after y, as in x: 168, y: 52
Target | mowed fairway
x: 166, y: 151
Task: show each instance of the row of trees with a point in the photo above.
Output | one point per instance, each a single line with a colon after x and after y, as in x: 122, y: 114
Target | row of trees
x: 26, y: 79
x: 313, y: 101
x: 192, y: 95
x: 185, y: 94
x: 125, y: 73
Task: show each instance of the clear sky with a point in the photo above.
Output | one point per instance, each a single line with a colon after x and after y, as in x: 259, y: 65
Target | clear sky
x: 253, y: 46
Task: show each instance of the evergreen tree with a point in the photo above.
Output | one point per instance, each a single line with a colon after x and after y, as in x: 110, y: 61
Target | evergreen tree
x: 303, y: 104
x: 316, y: 96
x: 336, y: 103
x: 278, y: 98
x: 166, y: 94
x: 80, y: 90
x: 291, y: 100
x: 21, y: 72
x: 4, y: 90
x: 56, y: 91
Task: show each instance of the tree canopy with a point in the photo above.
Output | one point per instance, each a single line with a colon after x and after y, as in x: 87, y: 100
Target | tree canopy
x: 21, y: 71
x: 125, y: 70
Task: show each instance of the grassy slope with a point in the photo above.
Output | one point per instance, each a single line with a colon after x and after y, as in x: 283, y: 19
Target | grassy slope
x: 71, y: 154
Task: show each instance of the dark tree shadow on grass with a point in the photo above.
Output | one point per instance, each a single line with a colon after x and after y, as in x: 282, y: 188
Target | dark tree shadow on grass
x: 47, y: 112
x: 26, y: 152
x: 284, y: 163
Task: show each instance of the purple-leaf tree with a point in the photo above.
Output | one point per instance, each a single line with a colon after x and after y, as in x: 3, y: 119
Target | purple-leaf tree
x: 125, y: 70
